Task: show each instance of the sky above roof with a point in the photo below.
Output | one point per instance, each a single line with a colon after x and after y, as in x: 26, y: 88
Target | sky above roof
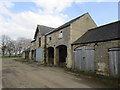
x: 19, y: 18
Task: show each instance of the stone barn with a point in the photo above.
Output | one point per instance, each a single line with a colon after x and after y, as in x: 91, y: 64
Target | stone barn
x: 38, y: 44
x: 26, y: 54
x: 98, y: 50
x: 58, y: 41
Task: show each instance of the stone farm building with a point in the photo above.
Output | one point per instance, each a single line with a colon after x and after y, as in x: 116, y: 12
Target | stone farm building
x: 58, y: 41
x: 38, y: 44
x: 99, y: 50
x: 78, y: 44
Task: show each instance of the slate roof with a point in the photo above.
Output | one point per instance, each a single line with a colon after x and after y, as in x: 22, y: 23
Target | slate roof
x: 33, y: 41
x: 43, y: 30
x: 103, y: 33
x: 66, y: 24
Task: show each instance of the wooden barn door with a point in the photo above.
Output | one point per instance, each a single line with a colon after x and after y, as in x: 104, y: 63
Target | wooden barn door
x: 84, y: 58
x: 79, y: 63
x: 114, y: 61
x: 89, y: 57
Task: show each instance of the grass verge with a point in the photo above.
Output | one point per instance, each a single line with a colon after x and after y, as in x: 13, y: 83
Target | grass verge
x: 24, y: 60
x: 112, y: 81
x: 9, y: 56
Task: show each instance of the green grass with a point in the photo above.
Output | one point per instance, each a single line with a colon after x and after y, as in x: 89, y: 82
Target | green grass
x: 9, y: 56
x: 113, y: 81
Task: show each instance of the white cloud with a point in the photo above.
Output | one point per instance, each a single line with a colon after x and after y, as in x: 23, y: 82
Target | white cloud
x: 51, y: 6
x: 23, y: 24
x: 57, y: 0
x: 4, y: 7
x: 97, y: 0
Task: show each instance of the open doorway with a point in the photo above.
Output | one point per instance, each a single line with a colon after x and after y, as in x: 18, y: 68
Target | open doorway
x: 51, y: 55
x: 62, y: 54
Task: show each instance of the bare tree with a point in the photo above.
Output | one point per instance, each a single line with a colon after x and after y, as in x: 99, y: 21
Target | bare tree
x: 10, y: 48
x: 22, y: 44
x: 14, y: 47
x: 4, y: 40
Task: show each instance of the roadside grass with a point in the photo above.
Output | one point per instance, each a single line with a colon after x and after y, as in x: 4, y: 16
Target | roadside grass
x: 37, y: 63
x: 9, y: 56
x: 27, y: 61
x: 24, y: 60
x: 112, y: 81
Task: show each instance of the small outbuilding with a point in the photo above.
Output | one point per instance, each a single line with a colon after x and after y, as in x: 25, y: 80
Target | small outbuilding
x: 98, y: 50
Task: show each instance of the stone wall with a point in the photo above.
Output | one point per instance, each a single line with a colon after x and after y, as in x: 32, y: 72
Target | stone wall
x: 35, y: 45
x: 55, y: 42
x: 23, y: 55
x: 65, y: 40
x: 70, y: 34
x: 80, y: 26
x: 43, y: 46
x: 101, y: 55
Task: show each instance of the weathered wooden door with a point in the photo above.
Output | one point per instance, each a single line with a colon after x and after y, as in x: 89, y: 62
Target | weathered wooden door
x: 114, y: 61
x: 84, y: 58
x: 39, y: 54
x: 79, y: 63
x: 89, y: 57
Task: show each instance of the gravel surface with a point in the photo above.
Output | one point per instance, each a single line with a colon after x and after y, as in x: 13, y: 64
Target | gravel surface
x: 22, y: 75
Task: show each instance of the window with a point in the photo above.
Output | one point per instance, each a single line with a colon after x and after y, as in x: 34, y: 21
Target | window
x: 60, y: 34
x: 39, y: 42
x: 50, y: 38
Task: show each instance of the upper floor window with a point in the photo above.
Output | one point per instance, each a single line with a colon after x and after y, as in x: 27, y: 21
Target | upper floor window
x: 60, y: 34
x: 39, y: 42
x: 50, y: 38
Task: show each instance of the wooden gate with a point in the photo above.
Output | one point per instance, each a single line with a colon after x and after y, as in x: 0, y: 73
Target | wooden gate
x: 84, y: 58
x: 114, y: 61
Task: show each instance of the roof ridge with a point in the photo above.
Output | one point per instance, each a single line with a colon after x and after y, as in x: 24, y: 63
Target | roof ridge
x: 104, y: 25
x: 67, y: 23
x: 78, y: 17
x: 103, y: 33
x: 44, y: 26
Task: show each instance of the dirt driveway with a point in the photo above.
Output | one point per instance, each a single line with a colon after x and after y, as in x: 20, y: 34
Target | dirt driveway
x: 22, y: 75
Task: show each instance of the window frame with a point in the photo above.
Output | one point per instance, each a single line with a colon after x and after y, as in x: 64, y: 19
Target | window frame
x: 50, y: 38
x: 60, y: 36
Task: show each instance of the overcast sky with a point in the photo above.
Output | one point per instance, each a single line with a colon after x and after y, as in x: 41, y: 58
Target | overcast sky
x: 19, y: 18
